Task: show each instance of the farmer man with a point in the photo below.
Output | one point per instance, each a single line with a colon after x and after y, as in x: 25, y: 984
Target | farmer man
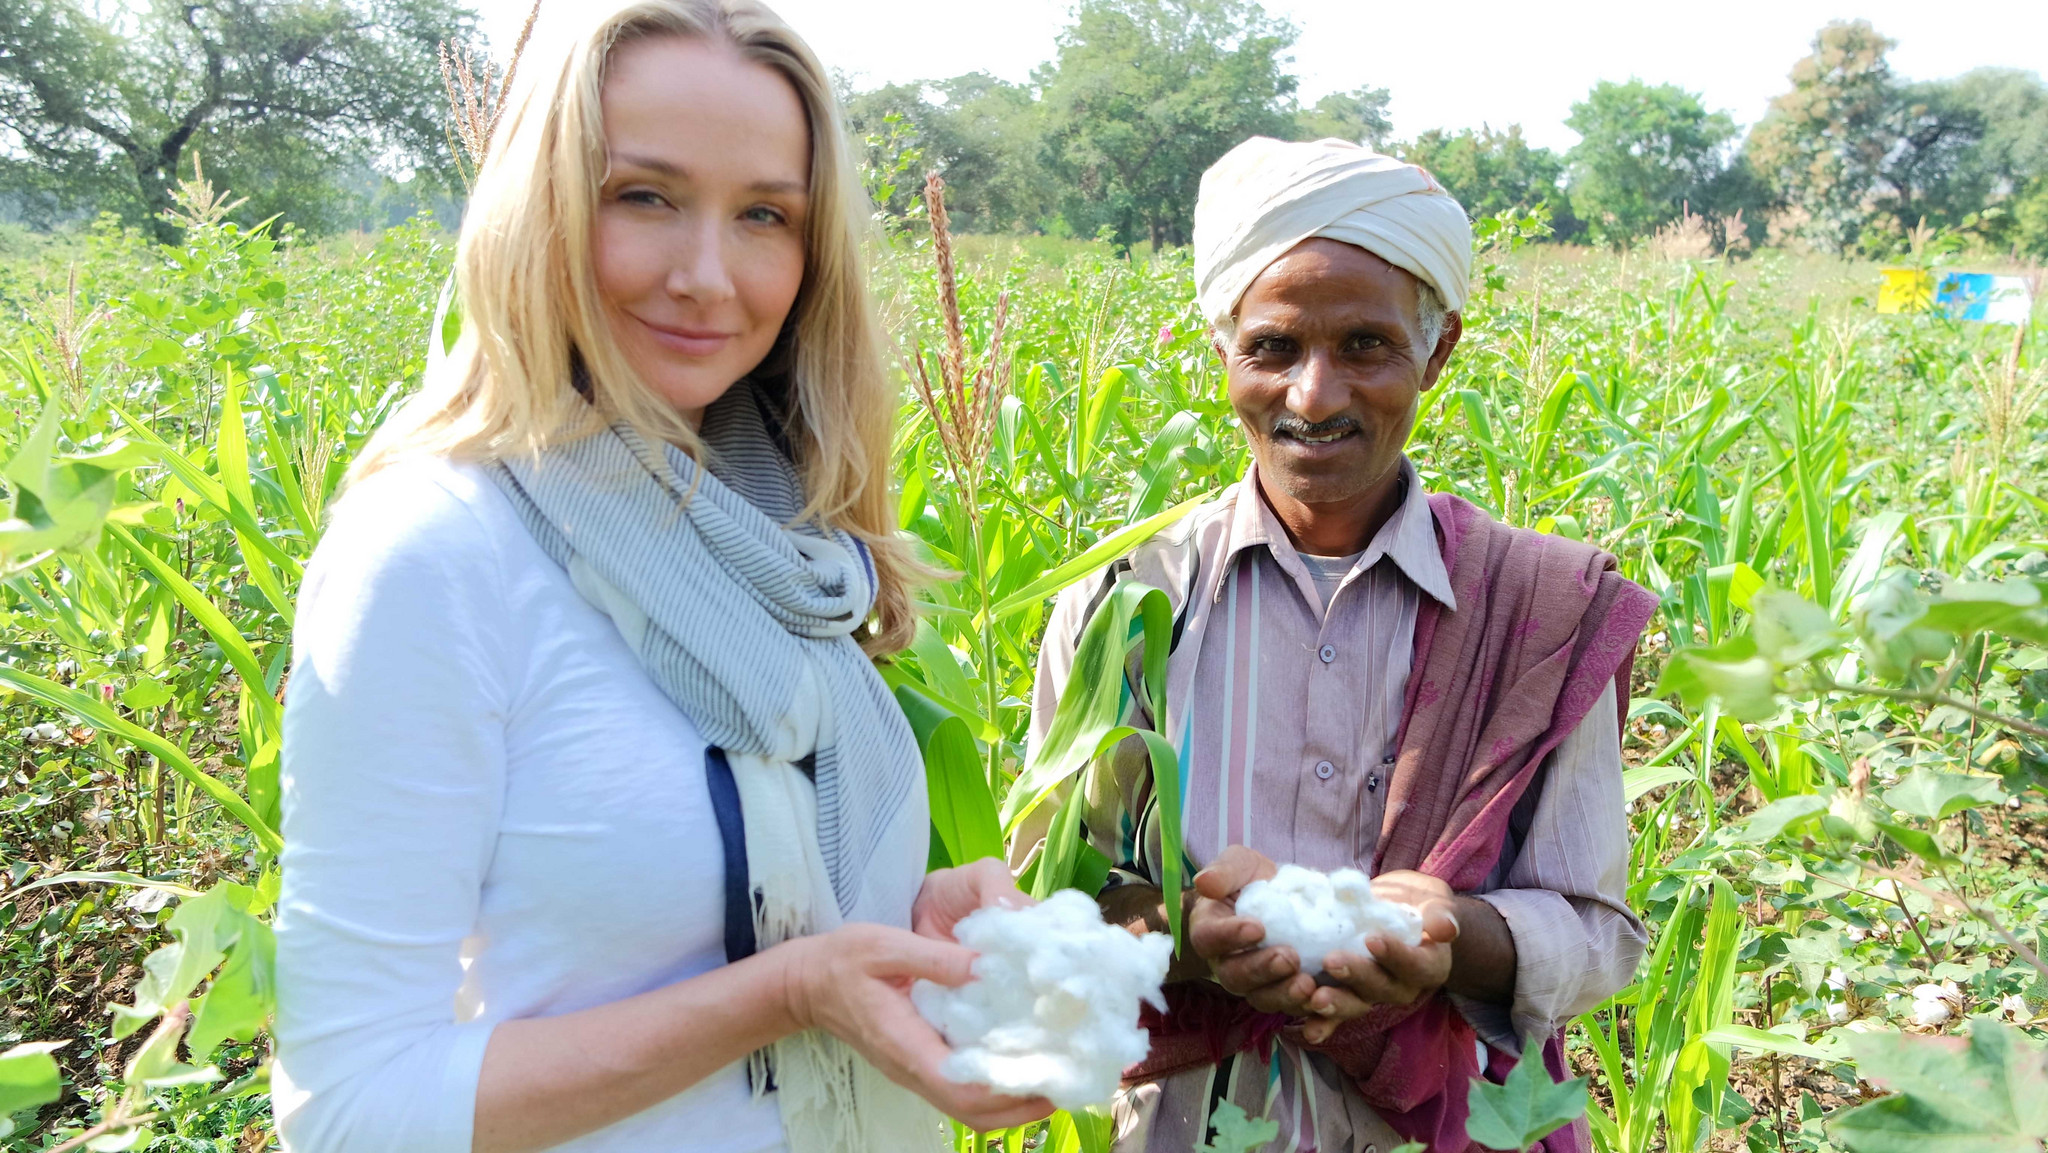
x: 1364, y: 676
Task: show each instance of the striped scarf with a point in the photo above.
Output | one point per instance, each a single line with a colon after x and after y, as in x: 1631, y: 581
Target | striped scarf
x: 745, y: 619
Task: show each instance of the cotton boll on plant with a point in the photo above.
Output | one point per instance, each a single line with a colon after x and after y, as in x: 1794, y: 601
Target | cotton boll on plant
x: 1935, y: 1004
x: 1317, y: 914
x: 1053, y: 1008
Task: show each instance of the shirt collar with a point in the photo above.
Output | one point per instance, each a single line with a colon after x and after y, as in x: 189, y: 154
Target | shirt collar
x: 1408, y: 539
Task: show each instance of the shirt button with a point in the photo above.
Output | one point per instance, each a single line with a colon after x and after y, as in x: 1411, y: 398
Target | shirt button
x: 1328, y: 653
x: 1372, y: 783
x: 1325, y: 769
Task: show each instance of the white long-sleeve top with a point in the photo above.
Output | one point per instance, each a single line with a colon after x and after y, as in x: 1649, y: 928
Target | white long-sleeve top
x: 490, y: 812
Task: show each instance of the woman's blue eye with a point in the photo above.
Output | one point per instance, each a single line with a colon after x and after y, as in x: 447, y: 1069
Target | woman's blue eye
x: 763, y: 214
x: 642, y: 196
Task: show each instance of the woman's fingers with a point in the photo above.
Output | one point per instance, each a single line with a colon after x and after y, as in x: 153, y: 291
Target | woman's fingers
x: 911, y: 1053
x: 983, y: 1109
x: 993, y: 885
x: 950, y: 895
x: 910, y: 957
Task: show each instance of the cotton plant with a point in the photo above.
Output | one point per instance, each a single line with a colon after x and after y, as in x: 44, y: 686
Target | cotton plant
x: 1317, y: 914
x: 1052, y: 1010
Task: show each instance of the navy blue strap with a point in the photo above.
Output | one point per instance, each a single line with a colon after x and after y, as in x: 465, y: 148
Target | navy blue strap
x: 732, y: 831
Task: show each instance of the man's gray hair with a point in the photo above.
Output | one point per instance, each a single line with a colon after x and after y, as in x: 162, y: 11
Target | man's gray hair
x: 1430, y: 315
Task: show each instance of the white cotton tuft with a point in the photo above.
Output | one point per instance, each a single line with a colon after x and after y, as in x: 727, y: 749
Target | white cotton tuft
x: 1931, y: 1004
x: 1318, y: 914
x: 1053, y: 1009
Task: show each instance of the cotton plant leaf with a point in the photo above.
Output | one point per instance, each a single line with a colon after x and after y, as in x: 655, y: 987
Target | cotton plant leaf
x: 1770, y: 822
x: 243, y: 996
x: 1790, y: 629
x: 1987, y: 1093
x: 212, y: 927
x: 1935, y: 796
x: 1236, y: 1132
x: 59, y: 502
x: 1732, y: 672
x: 1525, y: 1108
x: 28, y: 1078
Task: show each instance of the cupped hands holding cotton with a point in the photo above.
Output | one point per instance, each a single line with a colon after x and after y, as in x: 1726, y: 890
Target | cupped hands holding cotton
x: 1053, y: 1008
x: 1317, y: 914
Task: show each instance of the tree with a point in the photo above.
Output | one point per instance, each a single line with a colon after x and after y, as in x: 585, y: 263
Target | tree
x: 101, y: 103
x: 1833, y: 144
x: 2005, y: 179
x: 982, y: 133
x: 1490, y: 172
x: 1646, y: 153
x: 1146, y: 94
x: 1359, y: 116
x: 1865, y: 157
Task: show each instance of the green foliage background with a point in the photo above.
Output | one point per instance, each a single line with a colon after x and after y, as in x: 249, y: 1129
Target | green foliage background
x: 1726, y: 430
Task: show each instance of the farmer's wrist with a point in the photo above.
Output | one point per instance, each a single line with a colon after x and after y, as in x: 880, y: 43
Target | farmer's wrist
x: 1483, y: 956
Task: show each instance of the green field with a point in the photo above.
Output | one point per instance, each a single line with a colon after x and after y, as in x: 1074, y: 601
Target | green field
x: 1840, y: 801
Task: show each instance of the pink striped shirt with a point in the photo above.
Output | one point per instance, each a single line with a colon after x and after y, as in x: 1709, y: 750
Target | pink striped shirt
x: 1285, y: 715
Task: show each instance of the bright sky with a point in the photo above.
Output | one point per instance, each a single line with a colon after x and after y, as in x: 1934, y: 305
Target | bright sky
x: 1484, y: 61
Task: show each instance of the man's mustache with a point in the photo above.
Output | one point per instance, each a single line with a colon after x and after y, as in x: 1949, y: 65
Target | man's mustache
x: 1296, y: 427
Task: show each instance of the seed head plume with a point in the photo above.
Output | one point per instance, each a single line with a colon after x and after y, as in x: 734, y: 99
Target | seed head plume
x: 476, y: 97
x: 963, y: 408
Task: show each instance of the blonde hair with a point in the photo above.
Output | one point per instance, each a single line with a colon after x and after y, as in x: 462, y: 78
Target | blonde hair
x: 534, y: 331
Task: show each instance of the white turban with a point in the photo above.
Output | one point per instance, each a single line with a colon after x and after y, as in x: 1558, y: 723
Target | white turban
x: 1266, y: 196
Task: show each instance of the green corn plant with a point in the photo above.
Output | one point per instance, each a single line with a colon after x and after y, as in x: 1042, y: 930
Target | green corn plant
x: 1654, y: 1040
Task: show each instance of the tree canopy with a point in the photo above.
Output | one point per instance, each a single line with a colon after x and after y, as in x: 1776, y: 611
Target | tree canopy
x: 1491, y: 171
x: 309, y: 108
x: 1146, y: 94
x: 1863, y: 157
x: 102, y: 104
x: 1646, y: 152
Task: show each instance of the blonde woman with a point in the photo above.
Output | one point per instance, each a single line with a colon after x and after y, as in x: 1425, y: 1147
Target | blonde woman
x: 603, y: 833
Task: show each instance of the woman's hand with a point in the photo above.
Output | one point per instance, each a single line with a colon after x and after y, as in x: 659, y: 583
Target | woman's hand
x: 854, y: 983
x: 949, y: 895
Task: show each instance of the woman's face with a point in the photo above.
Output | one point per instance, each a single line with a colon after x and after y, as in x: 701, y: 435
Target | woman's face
x: 700, y: 222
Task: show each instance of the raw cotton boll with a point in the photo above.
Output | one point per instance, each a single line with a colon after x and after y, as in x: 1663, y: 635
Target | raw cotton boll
x: 1931, y: 1005
x: 1317, y: 914
x: 1053, y: 1007
x: 1837, y: 1012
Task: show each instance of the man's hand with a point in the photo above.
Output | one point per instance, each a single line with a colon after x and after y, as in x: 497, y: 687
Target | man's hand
x: 1389, y: 972
x: 949, y: 895
x: 1270, y: 980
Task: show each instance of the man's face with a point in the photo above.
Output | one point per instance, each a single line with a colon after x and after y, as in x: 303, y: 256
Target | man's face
x: 1326, y: 369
